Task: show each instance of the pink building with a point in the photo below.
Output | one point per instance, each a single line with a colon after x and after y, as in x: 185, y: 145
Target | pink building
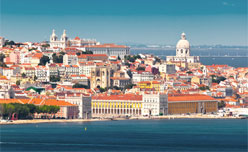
x: 148, y: 68
x: 14, y: 57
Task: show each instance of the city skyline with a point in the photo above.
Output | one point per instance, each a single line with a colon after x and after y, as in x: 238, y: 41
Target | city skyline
x: 128, y: 22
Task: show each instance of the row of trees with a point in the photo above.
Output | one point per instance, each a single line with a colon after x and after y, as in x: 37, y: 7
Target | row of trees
x: 26, y: 111
x: 78, y: 85
x: 129, y: 86
x: 217, y: 79
x: 43, y: 60
x: 132, y: 58
x: 57, y: 59
x: 204, y: 87
x: 55, y: 78
x: 7, y: 42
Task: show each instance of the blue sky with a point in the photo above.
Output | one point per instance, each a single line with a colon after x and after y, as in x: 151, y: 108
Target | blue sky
x: 205, y: 22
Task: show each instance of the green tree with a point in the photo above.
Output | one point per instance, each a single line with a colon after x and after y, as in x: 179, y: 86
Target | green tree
x: 32, y: 108
x: 131, y: 58
x: 54, y: 78
x: 102, y: 90
x: 45, y: 45
x: 57, y: 59
x: 140, y: 69
x: 127, y: 64
x: 25, y: 111
x: 31, y: 49
x: 217, y: 79
x: 24, y: 75
x: 204, y: 88
x: 77, y: 85
x: 53, y: 110
x: 119, y: 58
x: 43, y: 60
x: 1, y: 111
x: 129, y: 86
x: 18, y: 82
x: 7, y: 42
x: 116, y: 88
x: 22, y: 111
x: 35, y: 78
x: 87, y: 52
x: 157, y: 60
x: 221, y: 105
x: 189, y: 72
x: 8, y: 110
x: 129, y: 73
x: 62, y: 53
x: 44, y: 109
x: 2, y: 64
x: 2, y: 56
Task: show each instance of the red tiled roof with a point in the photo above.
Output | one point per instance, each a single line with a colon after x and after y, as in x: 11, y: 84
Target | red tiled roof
x: 189, y: 97
x: 77, y: 38
x: 36, y: 101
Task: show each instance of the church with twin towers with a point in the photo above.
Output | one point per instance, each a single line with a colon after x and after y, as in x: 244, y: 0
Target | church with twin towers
x: 60, y: 43
x: 64, y: 41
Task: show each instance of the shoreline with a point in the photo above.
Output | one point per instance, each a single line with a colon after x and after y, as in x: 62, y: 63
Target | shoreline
x: 37, y: 121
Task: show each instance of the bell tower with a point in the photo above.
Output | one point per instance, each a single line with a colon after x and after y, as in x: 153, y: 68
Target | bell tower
x: 53, y: 37
x: 64, y: 38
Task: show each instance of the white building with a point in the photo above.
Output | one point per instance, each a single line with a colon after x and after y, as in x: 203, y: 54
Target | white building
x: 142, y: 76
x: 109, y: 49
x: 183, y: 52
x: 77, y: 42
x: 70, y: 59
x: 167, y: 68
x: 8, y: 72
x: 2, y: 42
x: 71, y: 70
x: 83, y: 102
x: 155, y: 104
x: 85, y: 68
x: 42, y: 73
x: 60, y: 43
x: 6, y: 90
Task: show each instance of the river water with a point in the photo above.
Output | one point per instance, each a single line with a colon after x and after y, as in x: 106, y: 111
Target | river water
x: 184, y: 135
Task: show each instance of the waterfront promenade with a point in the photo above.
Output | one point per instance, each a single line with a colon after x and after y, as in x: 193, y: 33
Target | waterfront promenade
x: 34, y: 121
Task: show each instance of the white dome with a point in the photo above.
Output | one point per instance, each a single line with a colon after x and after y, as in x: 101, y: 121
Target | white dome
x: 183, y: 43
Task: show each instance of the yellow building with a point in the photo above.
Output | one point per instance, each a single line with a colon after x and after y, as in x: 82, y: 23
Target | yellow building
x: 104, y: 105
x: 196, y: 80
x: 34, y: 61
x: 191, y: 103
x: 178, y: 63
x: 150, y: 85
x: 116, y: 105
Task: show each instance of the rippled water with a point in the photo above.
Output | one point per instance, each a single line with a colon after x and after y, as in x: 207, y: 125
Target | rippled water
x: 129, y: 135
